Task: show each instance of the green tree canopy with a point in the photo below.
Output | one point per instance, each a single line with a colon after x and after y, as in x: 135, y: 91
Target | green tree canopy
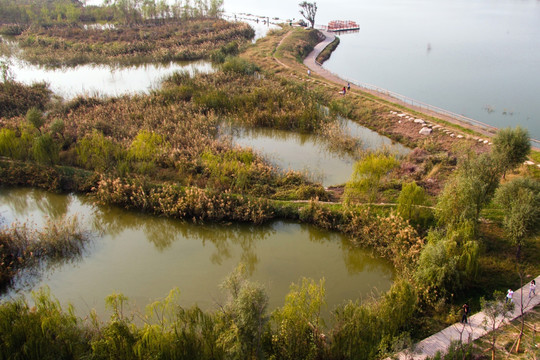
x: 146, y: 146
x: 410, y: 201
x: 448, y: 260
x: 45, y: 150
x: 511, y: 147
x: 35, y: 117
x: 368, y: 174
x: 467, y: 192
x: 244, y: 316
x: 520, y: 200
x: 97, y: 152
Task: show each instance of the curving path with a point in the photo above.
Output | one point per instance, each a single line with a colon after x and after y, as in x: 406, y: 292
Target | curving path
x: 278, y: 45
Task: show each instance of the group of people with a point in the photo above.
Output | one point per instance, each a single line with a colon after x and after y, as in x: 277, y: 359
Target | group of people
x: 532, y: 292
x: 509, y: 298
x: 345, y: 89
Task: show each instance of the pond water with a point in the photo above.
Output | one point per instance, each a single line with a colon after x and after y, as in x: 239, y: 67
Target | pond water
x: 310, y: 153
x: 478, y: 58
x: 102, y: 80
x: 144, y: 257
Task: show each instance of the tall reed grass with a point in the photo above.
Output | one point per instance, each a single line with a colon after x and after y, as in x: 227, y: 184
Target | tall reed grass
x: 192, y: 203
x: 16, y: 99
x: 22, y: 247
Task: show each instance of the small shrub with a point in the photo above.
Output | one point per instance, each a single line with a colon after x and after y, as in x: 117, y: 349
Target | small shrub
x: 239, y: 66
x: 220, y: 55
x: 35, y: 118
x: 147, y: 146
x: 94, y: 151
x: 8, y: 142
x: 367, y: 176
x: 45, y: 150
x: 11, y: 29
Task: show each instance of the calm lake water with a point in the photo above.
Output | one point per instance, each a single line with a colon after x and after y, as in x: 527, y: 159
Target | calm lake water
x: 483, y: 62
x: 144, y: 257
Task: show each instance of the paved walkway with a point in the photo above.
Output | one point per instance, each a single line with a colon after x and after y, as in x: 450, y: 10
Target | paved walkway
x: 471, y: 331
x: 311, y: 61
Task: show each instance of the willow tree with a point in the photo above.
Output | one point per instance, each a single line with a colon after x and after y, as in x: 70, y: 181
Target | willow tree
x: 368, y: 175
x: 244, y: 317
x: 411, y: 201
x: 467, y: 192
x: 215, y: 8
x: 520, y: 200
x: 126, y: 10
x: 511, y: 147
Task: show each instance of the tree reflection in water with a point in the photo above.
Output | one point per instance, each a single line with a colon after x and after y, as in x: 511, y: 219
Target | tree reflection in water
x: 356, y: 259
x: 23, y: 202
x: 164, y: 232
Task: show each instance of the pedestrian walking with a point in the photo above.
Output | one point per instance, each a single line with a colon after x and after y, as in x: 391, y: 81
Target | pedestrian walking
x: 509, y: 295
x: 532, y: 289
x: 466, y: 310
x: 348, y: 86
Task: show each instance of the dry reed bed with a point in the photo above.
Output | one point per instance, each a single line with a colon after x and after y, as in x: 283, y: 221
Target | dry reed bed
x: 16, y: 99
x: 72, y: 45
x: 22, y: 247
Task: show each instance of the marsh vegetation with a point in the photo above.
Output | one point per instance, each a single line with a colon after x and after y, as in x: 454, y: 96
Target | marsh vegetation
x: 431, y: 213
x: 23, y: 248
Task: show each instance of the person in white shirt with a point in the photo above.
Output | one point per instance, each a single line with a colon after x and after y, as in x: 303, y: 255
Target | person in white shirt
x: 509, y: 295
